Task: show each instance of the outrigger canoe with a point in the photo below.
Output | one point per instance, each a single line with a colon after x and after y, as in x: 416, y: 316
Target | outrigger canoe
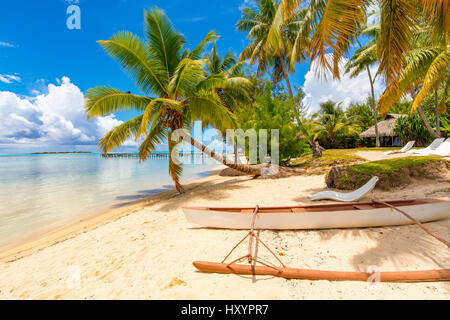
x: 326, y: 216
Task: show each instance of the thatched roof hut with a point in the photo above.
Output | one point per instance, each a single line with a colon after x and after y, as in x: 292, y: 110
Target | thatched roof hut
x: 386, y: 131
x: 385, y: 127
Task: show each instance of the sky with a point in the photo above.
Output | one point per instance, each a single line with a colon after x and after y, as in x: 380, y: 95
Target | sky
x: 45, y: 67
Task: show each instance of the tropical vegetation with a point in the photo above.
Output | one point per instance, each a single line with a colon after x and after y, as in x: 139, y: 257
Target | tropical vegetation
x: 406, y: 48
x: 183, y: 91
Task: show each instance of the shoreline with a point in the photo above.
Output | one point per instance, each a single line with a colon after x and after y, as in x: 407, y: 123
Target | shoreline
x: 26, y: 245
x: 147, y: 250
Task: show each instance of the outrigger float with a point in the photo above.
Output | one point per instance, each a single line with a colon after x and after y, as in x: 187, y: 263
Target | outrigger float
x: 264, y: 269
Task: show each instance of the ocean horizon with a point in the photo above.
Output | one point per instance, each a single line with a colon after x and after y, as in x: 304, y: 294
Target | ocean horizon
x: 42, y: 191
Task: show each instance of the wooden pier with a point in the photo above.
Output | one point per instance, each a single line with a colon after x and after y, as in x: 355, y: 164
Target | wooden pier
x: 153, y: 155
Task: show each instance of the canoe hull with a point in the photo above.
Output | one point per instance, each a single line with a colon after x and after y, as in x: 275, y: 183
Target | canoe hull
x: 282, y: 220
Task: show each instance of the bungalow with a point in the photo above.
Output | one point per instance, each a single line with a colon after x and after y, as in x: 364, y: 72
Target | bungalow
x: 388, y: 138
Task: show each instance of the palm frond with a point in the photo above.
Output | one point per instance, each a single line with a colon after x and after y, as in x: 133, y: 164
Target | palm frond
x: 336, y: 25
x: 198, y: 51
x: 208, y: 107
x: 164, y: 41
x: 188, y: 73
x: 434, y: 75
x: 101, y: 101
x: 136, y: 59
x: 156, y: 136
x: 398, y: 20
x: 118, y: 135
x: 152, y: 109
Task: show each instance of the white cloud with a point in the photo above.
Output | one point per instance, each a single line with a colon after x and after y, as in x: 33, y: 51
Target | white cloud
x: 7, y: 44
x: 54, y: 118
x: 10, y: 78
x: 374, y: 13
x: 347, y: 90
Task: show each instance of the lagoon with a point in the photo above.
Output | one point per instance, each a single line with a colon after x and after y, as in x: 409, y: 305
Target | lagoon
x: 40, y: 192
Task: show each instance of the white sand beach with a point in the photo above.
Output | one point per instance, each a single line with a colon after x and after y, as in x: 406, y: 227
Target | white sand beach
x: 146, y: 250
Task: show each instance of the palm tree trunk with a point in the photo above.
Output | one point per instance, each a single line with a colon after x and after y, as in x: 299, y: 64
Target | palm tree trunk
x: 286, y: 77
x: 427, y: 124
x: 436, y: 112
x: 374, y: 109
x: 248, y: 169
x: 315, y: 147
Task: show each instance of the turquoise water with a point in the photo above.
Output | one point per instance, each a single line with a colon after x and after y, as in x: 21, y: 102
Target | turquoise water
x: 38, y: 192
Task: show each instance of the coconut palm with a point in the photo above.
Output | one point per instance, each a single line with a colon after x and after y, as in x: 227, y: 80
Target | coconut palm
x: 364, y: 58
x: 289, y: 47
x: 176, y: 91
x: 232, y: 88
x: 257, y: 24
x: 335, y: 25
x: 427, y: 69
x: 331, y: 122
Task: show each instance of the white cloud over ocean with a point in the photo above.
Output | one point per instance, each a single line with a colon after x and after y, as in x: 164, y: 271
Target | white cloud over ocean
x: 53, y: 118
x: 347, y: 90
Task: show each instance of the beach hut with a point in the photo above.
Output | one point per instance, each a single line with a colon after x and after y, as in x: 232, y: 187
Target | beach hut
x: 388, y: 138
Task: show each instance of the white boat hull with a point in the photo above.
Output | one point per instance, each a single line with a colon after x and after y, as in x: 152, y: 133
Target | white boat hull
x: 376, y: 217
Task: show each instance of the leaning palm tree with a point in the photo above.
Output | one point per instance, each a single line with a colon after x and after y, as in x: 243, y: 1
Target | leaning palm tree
x: 176, y: 92
x: 364, y: 58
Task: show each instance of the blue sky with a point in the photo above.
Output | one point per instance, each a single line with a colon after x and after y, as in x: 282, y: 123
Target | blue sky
x: 44, y: 64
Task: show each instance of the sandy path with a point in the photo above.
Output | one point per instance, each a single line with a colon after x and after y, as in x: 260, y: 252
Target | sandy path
x: 148, y: 254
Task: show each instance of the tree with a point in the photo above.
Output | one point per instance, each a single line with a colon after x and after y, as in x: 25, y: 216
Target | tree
x: 335, y: 25
x: 229, y: 72
x: 426, y: 71
x: 364, y: 58
x: 257, y: 24
x: 331, y: 122
x: 361, y: 115
x: 411, y: 128
x: 183, y: 92
x: 271, y: 110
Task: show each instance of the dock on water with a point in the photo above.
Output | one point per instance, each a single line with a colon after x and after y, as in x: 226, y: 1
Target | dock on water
x: 153, y: 155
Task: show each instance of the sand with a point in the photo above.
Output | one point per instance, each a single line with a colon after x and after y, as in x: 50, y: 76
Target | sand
x: 146, y: 251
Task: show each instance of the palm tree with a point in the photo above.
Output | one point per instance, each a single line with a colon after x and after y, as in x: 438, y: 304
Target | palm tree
x: 364, y: 58
x: 232, y: 88
x: 426, y: 71
x: 335, y: 25
x: 257, y: 24
x: 331, y: 122
x: 294, y: 37
x: 182, y: 92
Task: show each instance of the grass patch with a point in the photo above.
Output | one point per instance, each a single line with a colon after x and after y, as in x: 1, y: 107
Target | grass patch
x: 331, y: 158
x: 392, y: 172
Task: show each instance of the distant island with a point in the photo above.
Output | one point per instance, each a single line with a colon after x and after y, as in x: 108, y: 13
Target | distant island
x: 61, y: 152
